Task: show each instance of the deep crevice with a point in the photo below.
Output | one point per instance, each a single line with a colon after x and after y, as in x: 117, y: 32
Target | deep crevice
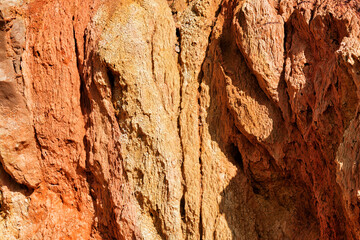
x: 236, y: 155
x: 111, y: 78
x: 182, y: 207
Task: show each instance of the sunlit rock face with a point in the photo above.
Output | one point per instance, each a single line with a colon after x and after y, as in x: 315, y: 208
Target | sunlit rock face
x: 155, y: 119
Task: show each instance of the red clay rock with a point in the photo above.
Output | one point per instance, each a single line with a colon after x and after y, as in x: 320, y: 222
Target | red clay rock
x: 159, y: 119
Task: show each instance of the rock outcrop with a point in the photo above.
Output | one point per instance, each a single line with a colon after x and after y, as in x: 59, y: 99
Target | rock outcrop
x: 153, y: 119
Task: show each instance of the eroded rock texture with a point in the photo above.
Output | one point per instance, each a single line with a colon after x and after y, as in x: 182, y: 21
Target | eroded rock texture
x: 154, y: 119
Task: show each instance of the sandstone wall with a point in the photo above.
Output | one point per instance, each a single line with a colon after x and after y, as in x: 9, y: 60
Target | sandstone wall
x: 153, y: 119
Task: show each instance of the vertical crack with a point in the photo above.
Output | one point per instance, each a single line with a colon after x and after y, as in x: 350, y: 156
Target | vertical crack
x: 201, y: 142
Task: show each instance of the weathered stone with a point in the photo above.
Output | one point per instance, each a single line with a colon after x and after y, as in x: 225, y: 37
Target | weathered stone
x: 155, y: 119
x: 260, y: 37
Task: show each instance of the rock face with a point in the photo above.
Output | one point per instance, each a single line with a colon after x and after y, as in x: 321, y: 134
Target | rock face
x: 155, y: 119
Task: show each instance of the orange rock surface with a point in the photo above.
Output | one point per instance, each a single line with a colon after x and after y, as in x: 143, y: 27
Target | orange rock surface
x: 202, y: 119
